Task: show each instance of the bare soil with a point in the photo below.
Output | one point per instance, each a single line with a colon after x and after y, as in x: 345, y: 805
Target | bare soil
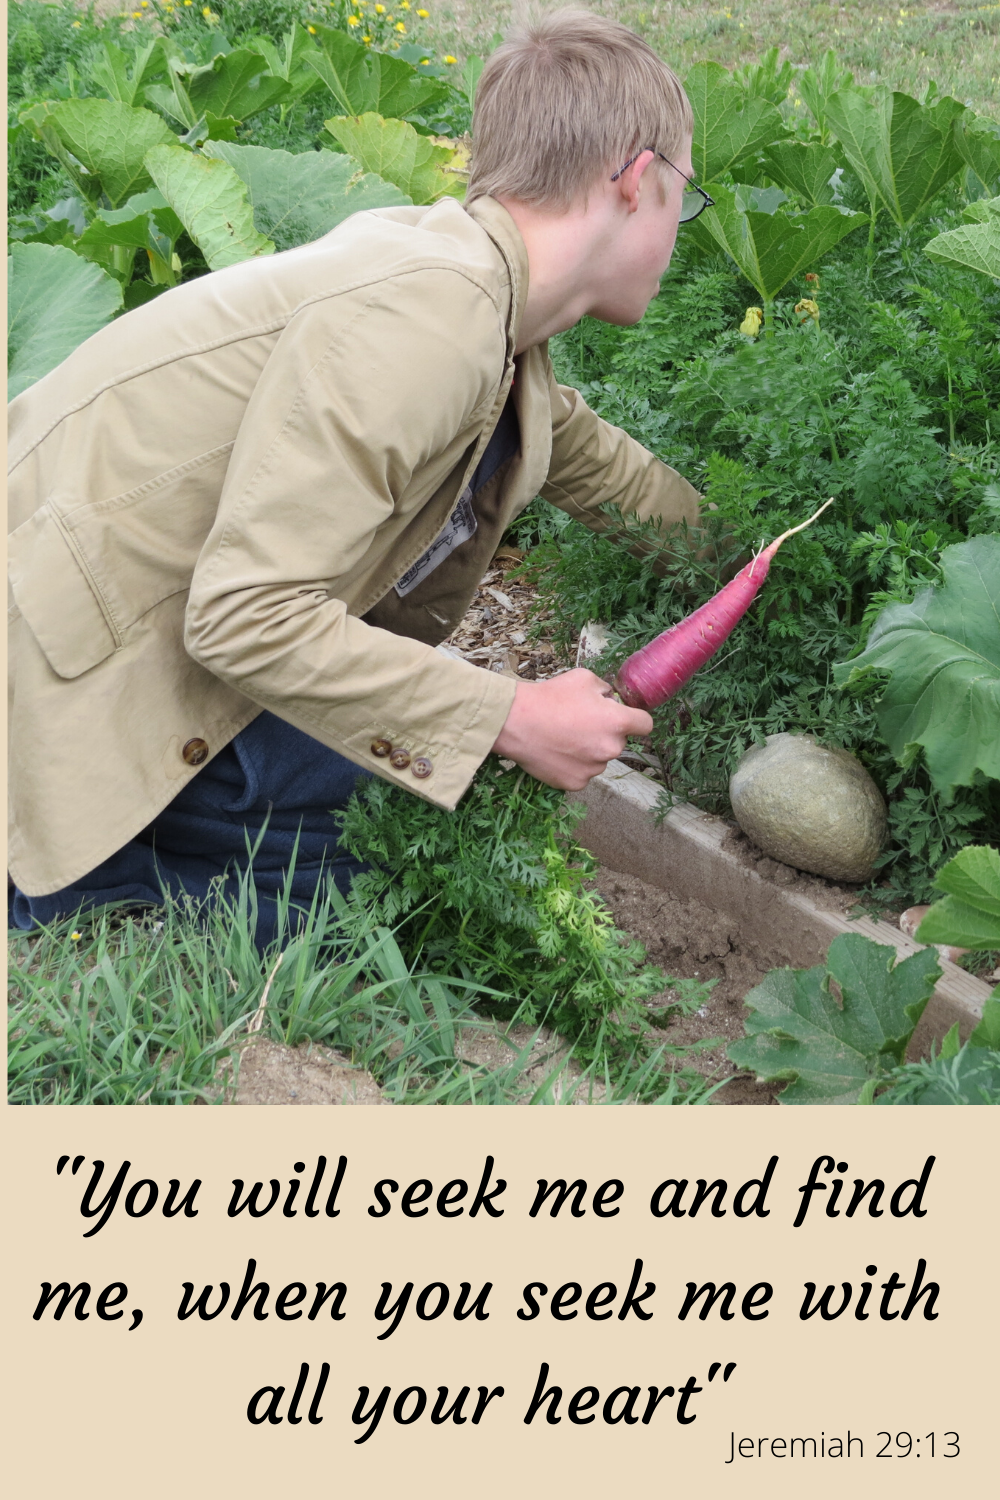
x: 272, y: 1074
x: 690, y: 941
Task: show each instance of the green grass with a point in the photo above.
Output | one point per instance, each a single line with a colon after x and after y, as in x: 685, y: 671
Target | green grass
x: 956, y: 44
x: 156, y: 1008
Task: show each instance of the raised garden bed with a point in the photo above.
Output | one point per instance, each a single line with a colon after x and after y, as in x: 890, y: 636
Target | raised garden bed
x: 775, y: 916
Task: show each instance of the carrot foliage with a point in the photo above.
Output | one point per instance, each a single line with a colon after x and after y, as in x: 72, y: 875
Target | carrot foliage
x: 498, y: 892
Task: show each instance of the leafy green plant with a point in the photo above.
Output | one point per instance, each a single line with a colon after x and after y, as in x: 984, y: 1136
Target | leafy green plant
x: 818, y: 85
x: 498, y: 890
x: 923, y: 831
x: 210, y: 199
x: 830, y: 1051
x: 769, y: 246
x: 953, y: 1075
x: 903, y: 152
x: 978, y: 142
x: 968, y: 916
x: 806, y: 169
x: 367, y: 82
x: 297, y: 197
x: 395, y: 151
x: 728, y: 127
x: 145, y: 223
x: 943, y: 654
x: 55, y: 300
x: 977, y: 244
x: 233, y: 86
x: 108, y: 140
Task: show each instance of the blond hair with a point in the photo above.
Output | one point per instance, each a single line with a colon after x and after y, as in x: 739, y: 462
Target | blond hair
x: 568, y: 98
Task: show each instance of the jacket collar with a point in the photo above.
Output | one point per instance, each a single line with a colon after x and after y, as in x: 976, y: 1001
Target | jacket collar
x: 492, y: 217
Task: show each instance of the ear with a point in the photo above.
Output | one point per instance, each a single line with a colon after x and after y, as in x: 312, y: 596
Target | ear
x: 629, y: 183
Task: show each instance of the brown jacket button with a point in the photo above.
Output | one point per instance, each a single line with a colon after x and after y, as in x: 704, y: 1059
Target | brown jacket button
x: 381, y: 748
x: 400, y: 759
x: 195, y: 752
x: 422, y: 767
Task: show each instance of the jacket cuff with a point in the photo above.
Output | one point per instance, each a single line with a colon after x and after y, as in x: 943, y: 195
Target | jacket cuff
x: 441, y: 772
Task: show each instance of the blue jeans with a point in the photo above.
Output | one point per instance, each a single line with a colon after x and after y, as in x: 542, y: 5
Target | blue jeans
x: 269, y: 773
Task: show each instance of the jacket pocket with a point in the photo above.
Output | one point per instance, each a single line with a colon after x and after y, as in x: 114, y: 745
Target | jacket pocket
x: 56, y: 598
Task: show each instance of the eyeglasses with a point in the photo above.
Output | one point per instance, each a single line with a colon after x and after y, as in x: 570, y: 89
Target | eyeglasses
x: 692, y: 203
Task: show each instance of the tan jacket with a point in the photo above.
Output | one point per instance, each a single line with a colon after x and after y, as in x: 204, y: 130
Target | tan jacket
x: 209, y: 493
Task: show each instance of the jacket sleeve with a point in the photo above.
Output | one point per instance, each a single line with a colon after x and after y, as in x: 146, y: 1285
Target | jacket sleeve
x: 594, y: 463
x: 359, y: 394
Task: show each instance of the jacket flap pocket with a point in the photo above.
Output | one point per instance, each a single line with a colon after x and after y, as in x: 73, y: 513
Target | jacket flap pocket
x: 55, y: 598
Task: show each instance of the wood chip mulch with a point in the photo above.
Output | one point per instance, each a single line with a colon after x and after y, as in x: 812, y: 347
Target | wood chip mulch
x: 496, y: 632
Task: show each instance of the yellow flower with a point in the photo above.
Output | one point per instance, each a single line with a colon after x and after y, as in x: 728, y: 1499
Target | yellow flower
x: 425, y: 62
x: 367, y: 40
x: 423, y: 14
x: 405, y: 5
x: 76, y: 23
x: 401, y: 28
x: 751, y: 323
x: 351, y: 21
x: 380, y: 10
x: 188, y: 2
x: 449, y: 59
x: 137, y: 15
x: 311, y: 29
x: 808, y: 308
x: 75, y: 937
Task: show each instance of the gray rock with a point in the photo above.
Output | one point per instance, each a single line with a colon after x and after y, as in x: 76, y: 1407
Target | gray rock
x: 809, y: 806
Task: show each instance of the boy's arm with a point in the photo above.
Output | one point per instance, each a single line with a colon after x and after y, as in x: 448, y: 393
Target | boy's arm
x: 359, y: 395
x: 594, y: 463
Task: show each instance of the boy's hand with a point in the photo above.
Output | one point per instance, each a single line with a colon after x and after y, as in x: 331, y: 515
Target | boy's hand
x: 564, y: 731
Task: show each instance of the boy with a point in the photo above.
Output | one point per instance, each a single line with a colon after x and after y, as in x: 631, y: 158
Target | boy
x: 276, y: 488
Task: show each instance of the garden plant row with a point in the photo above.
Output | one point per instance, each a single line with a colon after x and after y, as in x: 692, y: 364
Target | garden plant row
x: 830, y: 328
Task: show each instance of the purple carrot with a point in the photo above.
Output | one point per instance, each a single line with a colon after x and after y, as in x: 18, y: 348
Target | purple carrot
x: 655, y: 673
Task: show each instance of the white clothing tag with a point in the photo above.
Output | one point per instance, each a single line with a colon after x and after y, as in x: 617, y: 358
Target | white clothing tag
x: 461, y: 525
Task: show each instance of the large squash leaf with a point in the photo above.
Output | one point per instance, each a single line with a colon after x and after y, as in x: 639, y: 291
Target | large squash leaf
x: 975, y: 245
x: 363, y: 81
x: 146, y: 222
x: 904, y: 152
x: 830, y: 1052
x: 394, y: 150
x: 123, y: 75
x: 55, y: 300
x: 297, y: 198
x: 969, y: 915
x: 943, y: 654
x: 978, y: 142
x: 237, y: 84
x: 727, y: 126
x: 210, y: 200
x: 287, y: 61
x: 771, y: 248
x: 110, y: 140
x: 805, y: 170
